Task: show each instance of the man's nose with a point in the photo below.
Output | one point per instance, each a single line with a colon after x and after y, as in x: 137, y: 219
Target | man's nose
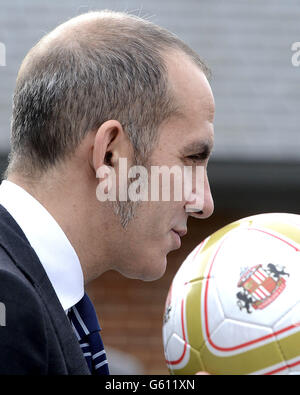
x: 201, y: 208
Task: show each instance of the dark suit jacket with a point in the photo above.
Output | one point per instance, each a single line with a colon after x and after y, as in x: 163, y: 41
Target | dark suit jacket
x: 37, y: 337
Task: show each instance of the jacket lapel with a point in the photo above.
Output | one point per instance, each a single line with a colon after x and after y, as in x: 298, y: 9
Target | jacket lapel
x: 14, y: 241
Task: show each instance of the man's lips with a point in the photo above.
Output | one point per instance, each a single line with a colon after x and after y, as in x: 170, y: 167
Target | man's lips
x: 176, y: 238
x: 177, y: 234
x: 180, y: 232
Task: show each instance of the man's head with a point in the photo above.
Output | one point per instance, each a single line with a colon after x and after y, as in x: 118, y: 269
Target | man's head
x: 101, y: 87
x: 93, y: 68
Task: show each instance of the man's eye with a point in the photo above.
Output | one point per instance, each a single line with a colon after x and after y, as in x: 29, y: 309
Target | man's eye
x: 197, y: 158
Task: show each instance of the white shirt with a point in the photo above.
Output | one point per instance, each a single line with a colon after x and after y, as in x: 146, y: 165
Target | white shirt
x: 48, y: 240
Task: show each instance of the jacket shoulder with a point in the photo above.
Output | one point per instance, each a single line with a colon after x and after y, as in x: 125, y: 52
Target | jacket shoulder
x: 23, y: 340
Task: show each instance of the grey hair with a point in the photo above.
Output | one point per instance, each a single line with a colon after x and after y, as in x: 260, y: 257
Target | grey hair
x: 108, y: 66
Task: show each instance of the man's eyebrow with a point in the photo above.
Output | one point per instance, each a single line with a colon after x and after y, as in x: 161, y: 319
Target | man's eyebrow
x: 201, y: 148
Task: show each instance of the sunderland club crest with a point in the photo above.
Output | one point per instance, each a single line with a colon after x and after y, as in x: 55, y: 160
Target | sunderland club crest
x: 260, y: 286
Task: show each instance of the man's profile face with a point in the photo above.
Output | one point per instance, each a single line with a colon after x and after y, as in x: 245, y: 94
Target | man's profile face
x: 183, y: 141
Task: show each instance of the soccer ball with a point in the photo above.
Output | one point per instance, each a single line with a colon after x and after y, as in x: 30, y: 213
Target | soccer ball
x: 234, y: 305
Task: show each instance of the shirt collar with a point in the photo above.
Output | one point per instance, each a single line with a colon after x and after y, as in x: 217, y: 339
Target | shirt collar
x: 50, y: 243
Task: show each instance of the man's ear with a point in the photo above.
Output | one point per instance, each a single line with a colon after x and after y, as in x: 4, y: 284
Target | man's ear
x: 110, y: 144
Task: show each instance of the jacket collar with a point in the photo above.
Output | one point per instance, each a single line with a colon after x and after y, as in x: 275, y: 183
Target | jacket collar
x: 45, y: 236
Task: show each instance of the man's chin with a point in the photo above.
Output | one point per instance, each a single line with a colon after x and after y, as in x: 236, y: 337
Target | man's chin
x: 155, y: 273
x: 151, y: 271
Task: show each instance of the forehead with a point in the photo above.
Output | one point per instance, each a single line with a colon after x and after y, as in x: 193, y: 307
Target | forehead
x: 192, y: 127
x: 189, y: 85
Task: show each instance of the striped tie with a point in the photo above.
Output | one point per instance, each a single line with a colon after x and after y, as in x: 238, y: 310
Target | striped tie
x: 84, y: 321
